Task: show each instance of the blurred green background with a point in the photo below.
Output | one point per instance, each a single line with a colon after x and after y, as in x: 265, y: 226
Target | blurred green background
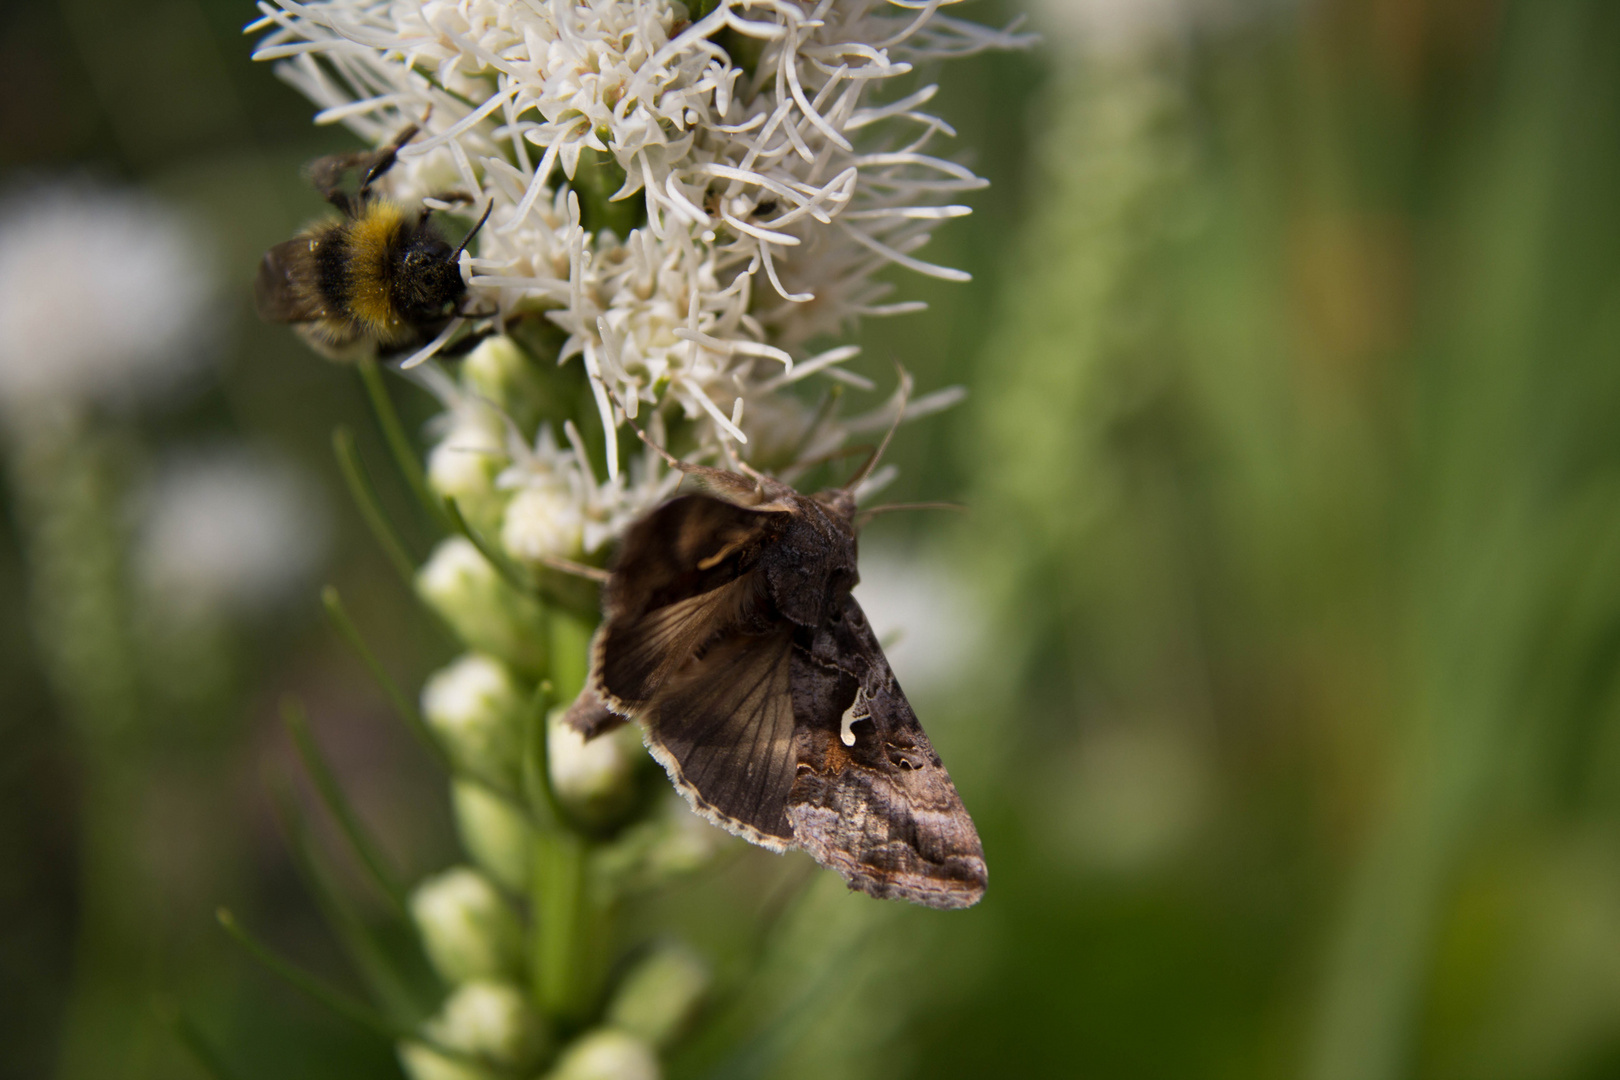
x: 1291, y: 586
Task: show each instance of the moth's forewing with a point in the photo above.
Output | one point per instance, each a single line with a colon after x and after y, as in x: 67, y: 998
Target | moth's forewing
x: 683, y: 577
x: 283, y: 291
x: 690, y: 545
x: 871, y: 798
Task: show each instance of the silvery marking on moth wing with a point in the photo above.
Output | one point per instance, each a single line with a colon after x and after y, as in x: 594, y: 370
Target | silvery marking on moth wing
x: 730, y: 633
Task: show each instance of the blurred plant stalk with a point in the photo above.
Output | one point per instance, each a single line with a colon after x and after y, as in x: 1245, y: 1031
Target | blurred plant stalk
x: 66, y: 489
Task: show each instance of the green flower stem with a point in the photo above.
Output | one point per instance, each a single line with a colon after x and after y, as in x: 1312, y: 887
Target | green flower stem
x: 64, y: 487
x: 570, y: 653
x: 65, y: 492
x: 570, y: 934
x: 570, y: 917
x: 537, y: 786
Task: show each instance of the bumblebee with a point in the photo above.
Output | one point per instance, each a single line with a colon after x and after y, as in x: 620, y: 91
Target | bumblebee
x: 380, y: 277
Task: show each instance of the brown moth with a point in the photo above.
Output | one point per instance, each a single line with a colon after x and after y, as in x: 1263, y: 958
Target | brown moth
x: 730, y: 633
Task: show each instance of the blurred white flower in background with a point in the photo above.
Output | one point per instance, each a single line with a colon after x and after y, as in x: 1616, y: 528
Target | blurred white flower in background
x: 228, y: 529
x: 929, y: 624
x: 105, y: 295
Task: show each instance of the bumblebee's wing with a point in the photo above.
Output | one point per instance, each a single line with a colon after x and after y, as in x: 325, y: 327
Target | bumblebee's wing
x: 285, y: 291
x: 871, y: 799
x: 684, y: 576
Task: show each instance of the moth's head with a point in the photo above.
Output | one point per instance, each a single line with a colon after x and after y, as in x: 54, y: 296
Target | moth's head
x: 839, y: 501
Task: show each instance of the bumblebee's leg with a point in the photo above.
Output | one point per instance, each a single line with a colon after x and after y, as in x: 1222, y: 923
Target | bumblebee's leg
x: 327, y: 175
x: 386, y: 157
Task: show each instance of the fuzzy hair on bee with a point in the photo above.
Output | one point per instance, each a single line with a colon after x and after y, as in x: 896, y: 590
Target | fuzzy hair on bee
x: 381, y: 277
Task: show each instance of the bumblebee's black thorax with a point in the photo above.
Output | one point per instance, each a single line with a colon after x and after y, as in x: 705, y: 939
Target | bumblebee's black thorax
x: 386, y: 270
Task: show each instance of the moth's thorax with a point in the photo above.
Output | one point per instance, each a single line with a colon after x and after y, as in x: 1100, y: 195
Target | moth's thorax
x: 811, y: 568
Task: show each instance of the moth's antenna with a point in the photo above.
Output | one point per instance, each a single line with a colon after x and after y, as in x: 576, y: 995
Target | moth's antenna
x: 456, y: 254
x: 669, y: 459
x: 751, y: 484
x: 899, y: 415
x: 888, y: 508
x: 578, y: 569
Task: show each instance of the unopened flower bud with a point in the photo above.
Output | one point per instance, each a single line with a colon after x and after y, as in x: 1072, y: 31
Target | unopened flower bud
x: 501, y: 372
x: 490, y: 1020
x: 467, y: 929
x: 424, y: 1063
x: 672, y: 842
x: 543, y: 521
x: 660, y: 995
x: 595, y: 780
x: 482, y: 607
x: 494, y: 832
x: 606, y: 1054
x: 464, y: 464
x: 478, y: 710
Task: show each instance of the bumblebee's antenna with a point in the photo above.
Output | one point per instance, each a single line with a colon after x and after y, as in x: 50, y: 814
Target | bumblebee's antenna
x: 899, y: 415
x: 456, y: 254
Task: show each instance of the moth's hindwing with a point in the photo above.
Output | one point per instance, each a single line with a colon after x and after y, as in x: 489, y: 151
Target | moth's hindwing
x: 690, y: 649
x: 871, y: 798
x: 724, y: 729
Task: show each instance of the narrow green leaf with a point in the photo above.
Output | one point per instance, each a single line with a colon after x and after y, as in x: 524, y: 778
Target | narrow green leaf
x: 405, y: 455
x: 407, y: 711
x: 365, y: 499
x: 509, y: 570
x: 337, y: 804
x: 187, y: 1034
x: 356, y: 1012
x: 368, y: 956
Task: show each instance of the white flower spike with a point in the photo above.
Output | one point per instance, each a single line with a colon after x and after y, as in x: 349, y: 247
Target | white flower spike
x: 692, y: 194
